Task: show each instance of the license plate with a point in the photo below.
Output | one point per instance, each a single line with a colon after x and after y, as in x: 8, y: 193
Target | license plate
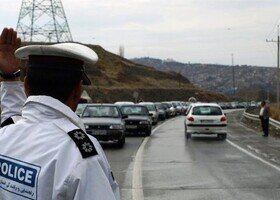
x: 99, y: 132
x: 131, y: 126
x: 206, y: 121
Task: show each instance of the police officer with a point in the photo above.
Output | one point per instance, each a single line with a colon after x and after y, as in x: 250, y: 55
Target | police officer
x: 44, y: 150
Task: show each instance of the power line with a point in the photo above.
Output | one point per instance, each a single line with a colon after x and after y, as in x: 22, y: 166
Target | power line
x: 273, y: 27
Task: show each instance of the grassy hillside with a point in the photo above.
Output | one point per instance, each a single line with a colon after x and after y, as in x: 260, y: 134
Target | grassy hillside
x: 115, y: 71
x: 275, y: 112
x: 115, y: 79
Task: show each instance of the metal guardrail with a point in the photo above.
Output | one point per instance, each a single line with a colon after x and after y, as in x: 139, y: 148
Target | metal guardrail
x: 272, y: 122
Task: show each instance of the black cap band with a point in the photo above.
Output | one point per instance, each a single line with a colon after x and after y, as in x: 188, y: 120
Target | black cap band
x: 55, y: 62
x: 58, y: 63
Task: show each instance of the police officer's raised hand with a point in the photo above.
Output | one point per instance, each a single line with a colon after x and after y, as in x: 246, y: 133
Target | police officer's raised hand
x: 9, y: 42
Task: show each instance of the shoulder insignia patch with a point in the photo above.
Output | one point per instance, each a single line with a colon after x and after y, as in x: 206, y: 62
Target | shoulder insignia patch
x: 83, y: 142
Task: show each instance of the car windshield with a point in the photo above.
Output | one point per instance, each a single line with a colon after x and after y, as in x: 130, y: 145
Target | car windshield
x: 206, y: 110
x: 159, y: 106
x: 101, y: 111
x: 80, y: 108
x: 134, y: 110
x: 151, y: 107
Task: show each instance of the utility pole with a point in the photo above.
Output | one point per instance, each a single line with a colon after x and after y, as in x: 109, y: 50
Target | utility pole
x: 278, y: 61
x: 267, y: 94
x: 233, y: 73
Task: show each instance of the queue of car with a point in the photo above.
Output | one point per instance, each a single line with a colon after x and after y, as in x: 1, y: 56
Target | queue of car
x: 237, y: 105
x: 111, y: 122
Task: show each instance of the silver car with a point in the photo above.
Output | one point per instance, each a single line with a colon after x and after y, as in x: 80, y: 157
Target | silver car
x: 105, y: 122
x: 152, y: 110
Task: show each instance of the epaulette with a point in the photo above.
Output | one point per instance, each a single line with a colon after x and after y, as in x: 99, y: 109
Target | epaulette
x: 83, y: 142
x: 7, y: 122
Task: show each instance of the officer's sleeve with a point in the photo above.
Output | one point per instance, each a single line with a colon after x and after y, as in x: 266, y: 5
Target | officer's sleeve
x: 89, y: 181
x: 108, y: 171
x: 12, y: 100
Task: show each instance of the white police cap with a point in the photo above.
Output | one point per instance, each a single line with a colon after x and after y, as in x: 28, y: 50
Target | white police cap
x: 65, y: 56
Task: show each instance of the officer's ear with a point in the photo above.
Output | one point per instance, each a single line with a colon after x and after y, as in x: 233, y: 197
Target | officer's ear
x: 26, y: 86
x: 75, y: 96
x: 77, y: 92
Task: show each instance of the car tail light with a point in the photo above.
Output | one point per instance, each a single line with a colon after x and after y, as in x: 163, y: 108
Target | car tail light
x: 223, y: 119
x: 191, y: 119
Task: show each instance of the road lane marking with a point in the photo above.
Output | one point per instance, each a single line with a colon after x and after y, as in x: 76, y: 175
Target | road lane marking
x: 137, y: 185
x: 253, y: 155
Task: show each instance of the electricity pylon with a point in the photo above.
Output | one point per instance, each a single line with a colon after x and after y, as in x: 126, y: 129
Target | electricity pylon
x: 43, y: 21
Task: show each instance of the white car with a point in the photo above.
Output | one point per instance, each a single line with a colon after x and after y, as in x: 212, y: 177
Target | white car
x: 205, y: 118
x: 152, y: 110
x: 124, y: 103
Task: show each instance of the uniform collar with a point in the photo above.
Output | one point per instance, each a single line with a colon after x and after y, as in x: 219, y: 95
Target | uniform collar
x: 56, y: 106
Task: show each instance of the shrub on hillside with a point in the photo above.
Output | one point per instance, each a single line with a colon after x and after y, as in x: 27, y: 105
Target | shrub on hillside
x: 275, y: 112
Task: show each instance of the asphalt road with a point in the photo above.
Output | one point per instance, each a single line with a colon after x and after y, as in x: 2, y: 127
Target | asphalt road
x: 167, y: 166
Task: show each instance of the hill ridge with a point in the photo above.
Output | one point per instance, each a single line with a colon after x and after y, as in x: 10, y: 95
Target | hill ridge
x: 218, y: 78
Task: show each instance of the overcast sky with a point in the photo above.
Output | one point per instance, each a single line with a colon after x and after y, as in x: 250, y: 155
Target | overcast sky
x: 196, y: 31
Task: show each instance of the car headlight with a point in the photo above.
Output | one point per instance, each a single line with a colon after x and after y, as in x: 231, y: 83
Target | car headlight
x: 86, y: 126
x: 116, y: 126
x: 144, y: 122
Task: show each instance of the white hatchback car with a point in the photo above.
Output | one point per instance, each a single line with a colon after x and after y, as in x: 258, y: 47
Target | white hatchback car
x: 205, y: 118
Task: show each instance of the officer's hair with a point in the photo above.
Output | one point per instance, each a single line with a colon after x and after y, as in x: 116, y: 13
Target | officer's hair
x: 55, y: 83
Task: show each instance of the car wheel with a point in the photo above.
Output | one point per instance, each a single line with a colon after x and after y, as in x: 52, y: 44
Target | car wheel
x: 148, y: 133
x: 121, y: 142
x: 188, y: 136
x: 222, y: 136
